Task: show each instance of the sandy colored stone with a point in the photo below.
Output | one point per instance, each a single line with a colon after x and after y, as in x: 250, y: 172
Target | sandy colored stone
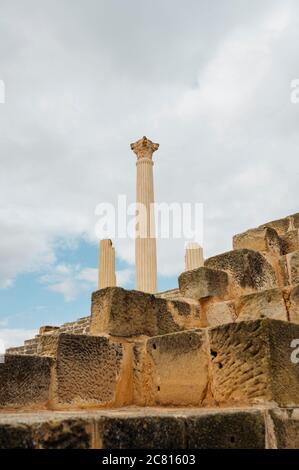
x: 25, y: 381
x: 125, y: 313
x: 251, y: 363
x: 264, y: 304
x: 218, y: 313
x: 193, y: 256
x: 91, y: 371
x: 291, y: 241
x: 249, y: 270
x: 179, y: 368
x: 289, y: 268
x: 294, y: 304
x: 285, y: 428
x: 263, y: 239
x: 281, y: 226
x: 203, y: 282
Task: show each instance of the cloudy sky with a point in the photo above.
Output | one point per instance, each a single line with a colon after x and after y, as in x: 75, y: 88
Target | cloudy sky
x: 208, y: 80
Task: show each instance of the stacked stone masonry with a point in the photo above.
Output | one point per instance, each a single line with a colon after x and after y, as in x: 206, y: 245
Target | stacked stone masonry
x: 223, y: 339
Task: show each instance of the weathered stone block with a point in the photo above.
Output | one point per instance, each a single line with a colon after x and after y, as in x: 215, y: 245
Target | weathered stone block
x: 285, y: 428
x: 289, y: 268
x: 282, y: 226
x: 264, y: 239
x: 178, y: 365
x: 291, y: 241
x: 226, y: 430
x: 264, y: 304
x: 219, y: 313
x: 251, y: 363
x: 294, y: 304
x: 121, y: 312
x: 141, y: 432
x: 203, y: 282
x: 248, y: 270
x: 91, y: 371
x: 25, y: 381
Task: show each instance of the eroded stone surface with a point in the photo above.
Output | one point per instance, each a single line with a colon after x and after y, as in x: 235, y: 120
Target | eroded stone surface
x: 285, y: 428
x: 91, y: 371
x: 121, y: 312
x: 178, y: 368
x: 219, y: 313
x: 248, y: 269
x: 265, y: 304
x: 264, y: 239
x: 251, y: 363
x: 25, y: 381
x: 203, y: 282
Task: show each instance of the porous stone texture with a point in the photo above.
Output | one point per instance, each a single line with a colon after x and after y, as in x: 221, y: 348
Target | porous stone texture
x: 251, y: 363
x: 91, y: 371
x: 265, y: 304
x: 264, y: 239
x: 291, y: 241
x: 285, y: 428
x: 226, y: 430
x: 203, y: 282
x: 249, y: 270
x: 219, y: 313
x: 294, y: 304
x: 178, y: 368
x: 25, y: 381
x: 136, y: 428
x: 289, y: 268
x: 124, y: 313
x: 281, y: 226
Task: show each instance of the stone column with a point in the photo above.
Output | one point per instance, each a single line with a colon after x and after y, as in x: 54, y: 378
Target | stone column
x: 193, y: 256
x: 107, y: 276
x: 145, y: 243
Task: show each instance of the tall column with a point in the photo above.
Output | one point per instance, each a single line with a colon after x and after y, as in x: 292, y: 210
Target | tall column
x: 145, y: 243
x: 107, y: 276
x: 193, y: 256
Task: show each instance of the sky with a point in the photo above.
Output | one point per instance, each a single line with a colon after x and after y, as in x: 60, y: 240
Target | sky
x: 210, y: 81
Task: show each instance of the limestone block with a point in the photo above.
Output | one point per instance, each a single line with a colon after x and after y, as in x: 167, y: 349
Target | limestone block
x: 285, y: 428
x: 141, y: 432
x: 249, y: 270
x: 120, y: 312
x: 91, y: 371
x: 293, y: 267
x: 203, y: 282
x: 251, y: 363
x: 226, y: 430
x: 291, y: 241
x: 47, y: 345
x: 219, y: 313
x: 282, y: 226
x: 289, y: 268
x: 25, y: 381
x: 294, y: 304
x: 179, y: 368
x: 264, y: 239
x: 264, y: 304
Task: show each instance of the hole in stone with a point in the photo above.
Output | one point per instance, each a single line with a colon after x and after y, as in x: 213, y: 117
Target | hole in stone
x: 158, y: 388
x: 220, y: 365
x: 232, y: 439
x: 213, y: 353
x: 154, y: 346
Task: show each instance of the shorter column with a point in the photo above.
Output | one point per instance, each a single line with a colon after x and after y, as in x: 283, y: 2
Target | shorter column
x: 107, y: 276
x: 193, y: 256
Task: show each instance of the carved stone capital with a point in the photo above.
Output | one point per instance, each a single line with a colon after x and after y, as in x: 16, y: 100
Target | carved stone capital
x: 144, y: 148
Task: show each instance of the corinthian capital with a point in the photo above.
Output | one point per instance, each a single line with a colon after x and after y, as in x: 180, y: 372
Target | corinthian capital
x: 144, y: 148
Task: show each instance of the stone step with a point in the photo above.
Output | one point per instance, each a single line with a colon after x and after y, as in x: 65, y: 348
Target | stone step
x: 153, y: 428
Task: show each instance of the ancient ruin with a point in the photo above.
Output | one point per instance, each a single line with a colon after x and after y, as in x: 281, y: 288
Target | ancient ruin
x: 210, y: 364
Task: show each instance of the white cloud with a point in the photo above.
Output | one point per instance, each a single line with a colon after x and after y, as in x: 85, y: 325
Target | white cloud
x: 14, y: 337
x: 210, y: 83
